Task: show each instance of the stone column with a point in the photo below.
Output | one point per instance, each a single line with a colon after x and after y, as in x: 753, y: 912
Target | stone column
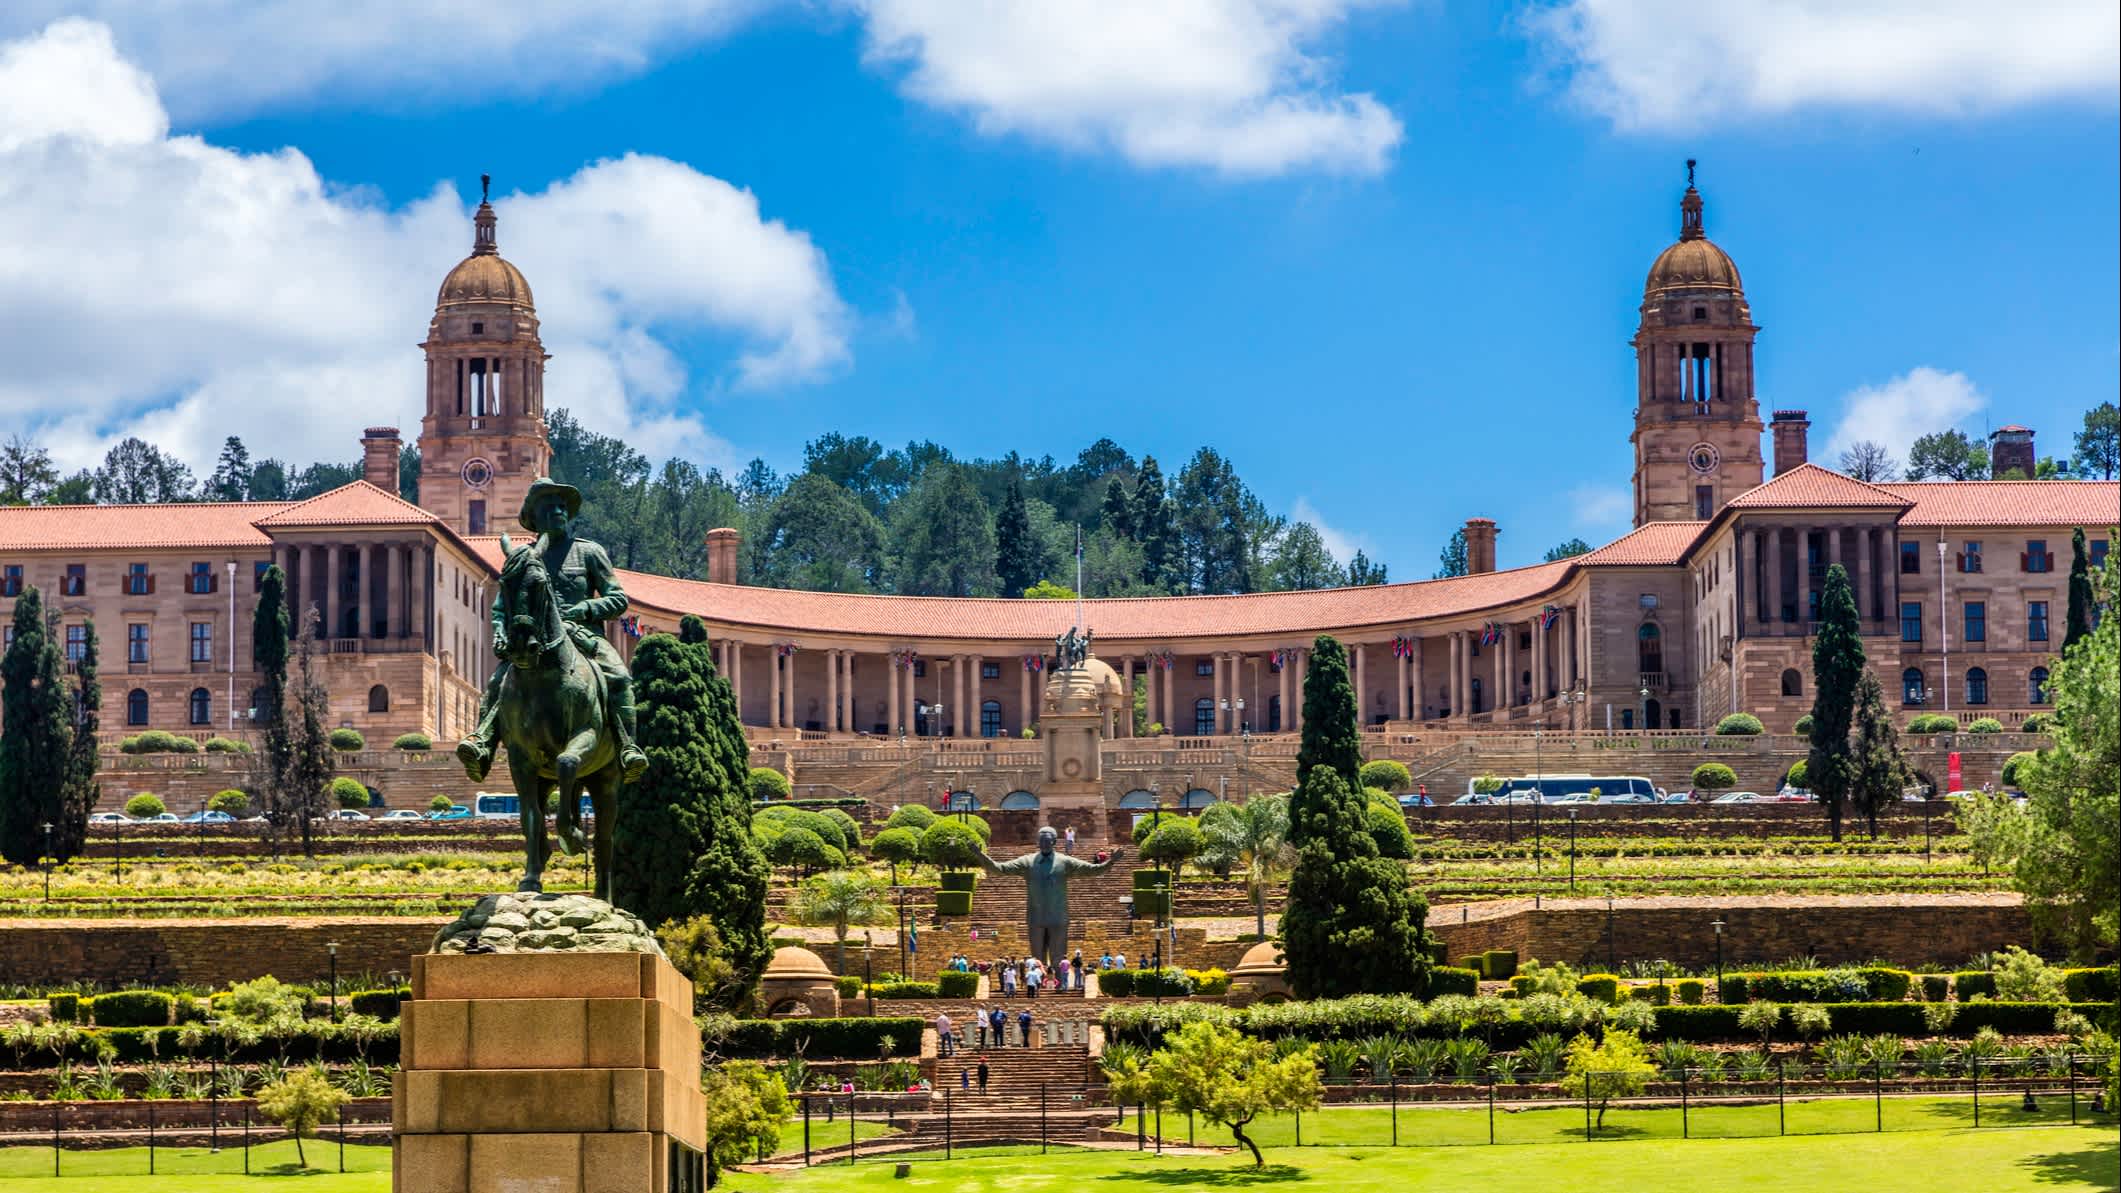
x: 1539, y: 657
x: 1281, y: 679
x: 850, y: 708
x: 976, y: 677
x: 1170, y: 709
x: 1833, y: 544
x: 1400, y: 674
x: 423, y: 573
x: 1362, y: 686
x: 1220, y: 691
x: 1026, y: 698
x: 1126, y: 683
x: 897, y: 681
x: 1420, y: 681
x: 394, y: 590
x: 1509, y: 666
x: 1774, y: 576
x: 832, y: 691
x: 330, y: 628
x: 1303, y: 672
x: 364, y: 593
x: 1866, y: 547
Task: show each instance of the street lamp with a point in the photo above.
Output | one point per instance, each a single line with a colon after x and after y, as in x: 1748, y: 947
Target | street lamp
x: 1572, y: 849
x: 332, y: 947
x: 1539, y: 796
x: 47, y: 860
x: 1243, y: 728
x: 1718, y: 926
x: 1644, y: 694
x: 1611, y: 965
x: 869, y: 972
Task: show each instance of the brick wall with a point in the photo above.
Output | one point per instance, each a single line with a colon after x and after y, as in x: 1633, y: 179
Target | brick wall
x: 207, y: 952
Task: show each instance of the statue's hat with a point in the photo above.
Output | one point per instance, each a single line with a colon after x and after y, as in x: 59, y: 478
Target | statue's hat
x: 542, y: 488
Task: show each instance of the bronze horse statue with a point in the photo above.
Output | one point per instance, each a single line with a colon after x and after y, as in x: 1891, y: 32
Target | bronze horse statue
x: 552, y: 716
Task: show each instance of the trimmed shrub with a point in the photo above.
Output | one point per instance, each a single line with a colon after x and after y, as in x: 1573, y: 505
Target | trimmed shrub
x: 1714, y: 776
x: 158, y: 741
x: 2039, y: 722
x: 1439, y: 953
x: 958, y: 880
x: 905, y: 989
x: 1803, y: 727
x: 1475, y: 962
x: 1209, y: 981
x: 144, y: 805
x: 347, y: 741
x: 1501, y: 964
x: 1148, y: 880
x: 1932, y: 722
x: 1602, y: 986
x: 2014, y: 765
x: 383, y: 1004
x: 1936, y: 987
x: 1388, y: 828
x: 222, y: 745
x: 914, y: 816
x: 1984, y: 725
x: 231, y: 801
x: 65, y: 1008
x: 132, y: 1008
x: 412, y: 741
x: 1152, y: 904
x: 1799, y: 774
x: 1445, y: 979
x: 953, y: 902
x: 349, y: 792
x: 1690, y: 991
x: 769, y: 784
x: 1143, y: 983
x: 2091, y: 985
x: 1698, y: 1024
x: 1387, y: 774
x: 949, y: 845
x: 953, y: 984
x: 1657, y: 994
x: 1874, y: 983
x: 1968, y: 984
x: 848, y: 985
x: 1740, y: 724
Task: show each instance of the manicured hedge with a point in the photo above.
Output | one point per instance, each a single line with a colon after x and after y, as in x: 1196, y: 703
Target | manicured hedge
x: 1936, y: 987
x: 1476, y: 962
x: 906, y: 990
x: 1874, y: 983
x: 953, y: 902
x: 821, y: 1039
x: 1690, y: 991
x: 1501, y: 964
x: 848, y: 985
x: 131, y: 1008
x: 65, y: 1008
x: 952, y: 984
x: 2091, y: 985
x: 383, y: 1004
x: 1602, y: 986
x: 316, y: 1040
x: 1966, y: 985
x: 1712, y: 1023
x: 1143, y: 983
x: 958, y: 880
x: 1152, y: 904
x: 1445, y: 979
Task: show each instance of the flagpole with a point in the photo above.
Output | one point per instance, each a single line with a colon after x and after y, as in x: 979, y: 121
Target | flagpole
x: 1078, y: 578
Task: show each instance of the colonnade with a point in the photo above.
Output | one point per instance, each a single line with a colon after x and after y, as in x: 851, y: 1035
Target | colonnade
x: 346, y: 574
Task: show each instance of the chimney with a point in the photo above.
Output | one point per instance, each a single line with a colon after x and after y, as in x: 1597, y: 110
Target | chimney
x: 721, y: 555
x: 379, y: 457
x: 1789, y: 429
x: 1480, y: 546
x: 2011, y: 447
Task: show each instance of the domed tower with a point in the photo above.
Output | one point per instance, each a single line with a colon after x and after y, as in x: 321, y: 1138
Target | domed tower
x: 1697, y: 422
x: 483, y: 439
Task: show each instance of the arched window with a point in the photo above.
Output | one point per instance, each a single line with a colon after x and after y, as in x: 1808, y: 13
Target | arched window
x: 1649, y: 648
x: 202, y: 707
x: 1792, y: 682
x: 1197, y: 799
x: 961, y: 801
x: 379, y: 699
x: 1911, y: 686
x: 136, y: 707
x: 1976, y: 686
x: 1138, y: 799
x: 990, y: 718
x: 2036, y: 681
x: 1019, y: 801
x: 1204, y: 717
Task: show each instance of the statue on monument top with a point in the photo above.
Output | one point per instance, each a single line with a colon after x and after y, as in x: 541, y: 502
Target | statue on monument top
x: 1046, y: 873
x: 1071, y: 648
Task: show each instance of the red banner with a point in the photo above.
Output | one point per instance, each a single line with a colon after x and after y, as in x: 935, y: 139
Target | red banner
x: 1952, y: 773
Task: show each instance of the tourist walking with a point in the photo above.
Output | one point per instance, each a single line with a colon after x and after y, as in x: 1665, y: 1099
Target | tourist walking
x: 1008, y: 981
x: 997, y: 1027
x: 1071, y: 840
x: 1023, y: 1027
x: 945, y: 1037
x: 983, y: 1069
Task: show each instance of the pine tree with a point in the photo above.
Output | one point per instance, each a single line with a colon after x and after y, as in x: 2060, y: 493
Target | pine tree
x: 684, y: 845
x: 311, y: 763
x: 2080, y: 592
x: 1837, y: 668
x: 1452, y: 561
x: 1155, y: 527
x: 77, y: 798
x: 1015, y: 551
x: 36, y: 731
x: 1352, y: 924
x: 231, y: 476
x: 1879, y: 772
x: 1118, y: 510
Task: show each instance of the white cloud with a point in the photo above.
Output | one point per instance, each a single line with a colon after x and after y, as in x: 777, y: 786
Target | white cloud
x: 168, y: 287
x: 1917, y: 402
x: 1229, y: 85
x: 1339, y: 543
x: 1676, y: 64
x: 1601, y: 507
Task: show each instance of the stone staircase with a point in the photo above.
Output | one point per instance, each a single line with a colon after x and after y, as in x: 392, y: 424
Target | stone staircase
x: 1015, y: 1073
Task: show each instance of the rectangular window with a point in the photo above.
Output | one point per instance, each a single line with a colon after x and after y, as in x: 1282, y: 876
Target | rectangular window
x: 76, y: 642
x: 1970, y: 558
x: 11, y: 580
x: 138, y: 582
x: 1704, y: 503
x: 136, y: 643
x: 1911, y: 559
x: 1204, y: 667
x: 76, y: 582
x: 2099, y: 548
x: 2036, y: 620
x: 1911, y: 621
x: 920, y: 668
x: 202, y: 642
x: 2036, y: 557
x: 257, y: 574
x: 990, y: 670
x: 478, y: 517
x: 1977, y: 621
x: 202, y: 579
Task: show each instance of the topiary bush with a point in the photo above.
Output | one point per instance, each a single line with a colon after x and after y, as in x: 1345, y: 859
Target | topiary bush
x: 230, y: 800
x: 1932, y: 722
x: 2014, y: 766
x: 349, y: 792
x: 1803, y: 727
x: 1604, y: 987
x: 1714, y: 776
x: 1500, y: 965
x: 1475, y: 962
x: 223, y: 745
x: 1870, y: 983
x: 64, y: 1008
x: 158, y: 741
x: 1966, y: 986
x: 131, y: 1008
x: 144, y: 805
x: 1387, y: 774
x: 769, y: 784
x: 1690, y: 991
x: 953, y: 902
x: 347, y: 741
x: 948, y: 845
x: 412, y: 741
x: 2039, y: 722
x: 952, y: 984
x: 1984, y: 725
x: 1799, y: 774
x: 1936, y: 987
x: 2091, y: 985
x: 1388, y: 827
x: 1450, y: 979
x: 914, y: 816
x: 382, y: 1004
x: 1742, y: 724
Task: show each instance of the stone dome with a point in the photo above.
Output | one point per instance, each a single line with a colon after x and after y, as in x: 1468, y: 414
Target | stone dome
x: 796, y: 962
x: 484, y: 277
x: 1090, y: 686
x: 1261, y: 959
x: 1692, y: 265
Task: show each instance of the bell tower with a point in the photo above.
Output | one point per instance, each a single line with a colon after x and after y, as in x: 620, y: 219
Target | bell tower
x: 1697, y: 421
x: 482, y: 440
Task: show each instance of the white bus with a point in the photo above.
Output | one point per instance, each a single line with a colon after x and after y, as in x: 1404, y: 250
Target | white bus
x: 1553, y: 788
x: 494, y: 805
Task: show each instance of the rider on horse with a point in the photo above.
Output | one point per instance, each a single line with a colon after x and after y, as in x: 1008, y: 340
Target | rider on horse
x: 588, y: 589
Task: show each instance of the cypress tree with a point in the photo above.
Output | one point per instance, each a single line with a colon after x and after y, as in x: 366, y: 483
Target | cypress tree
x: 1878, y: 770
x: 1155, y: 526
x: 1016, y: 564
x: 1352, y: 925
x: 1118, y: 509
x: 36, y: 730
x: 683, y: 843
x: 311, y: 763
x: 269, y: 768
x: 1837, y: 668
x: 78, y: 797
x: 2080, y: 592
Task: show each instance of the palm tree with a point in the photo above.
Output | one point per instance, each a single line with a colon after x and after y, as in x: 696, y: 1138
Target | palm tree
x: 842, y: 899
x: 1251, y: 840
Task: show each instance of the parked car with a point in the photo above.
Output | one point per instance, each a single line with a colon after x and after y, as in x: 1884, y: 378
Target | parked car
x: 460, y: 812
x: 348, y: 814
x: 1627, y: 797
x: 111, y: 818
x: 206, y: 817
x: 1414, y: 799
x: 161, y: 818
x: 1740, y: 797
x: 400, y: 814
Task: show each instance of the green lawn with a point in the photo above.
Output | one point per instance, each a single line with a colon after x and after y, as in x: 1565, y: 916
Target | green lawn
x: 196, y: 1170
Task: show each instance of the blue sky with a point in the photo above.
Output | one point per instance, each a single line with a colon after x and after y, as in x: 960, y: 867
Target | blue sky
x: 1384, y: 256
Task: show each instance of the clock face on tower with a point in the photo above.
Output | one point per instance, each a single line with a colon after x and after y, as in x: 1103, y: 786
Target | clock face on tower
x: 1702, y: 458
x: 477, y: 472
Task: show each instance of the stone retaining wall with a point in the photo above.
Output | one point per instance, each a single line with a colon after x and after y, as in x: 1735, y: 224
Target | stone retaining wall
x: 207, y: 952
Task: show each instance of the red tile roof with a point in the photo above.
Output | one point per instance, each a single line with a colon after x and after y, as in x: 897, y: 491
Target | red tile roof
x: 211, y: 524
x: 1808, y: 486
x: 357, y: 504
x: 1656, y: 543
x: 2089, y: 504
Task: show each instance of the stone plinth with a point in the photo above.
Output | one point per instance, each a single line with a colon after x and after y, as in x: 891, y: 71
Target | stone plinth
x: 548, y: 1073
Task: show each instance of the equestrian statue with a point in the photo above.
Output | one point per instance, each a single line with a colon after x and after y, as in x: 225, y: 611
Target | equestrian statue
x: 561, y: 699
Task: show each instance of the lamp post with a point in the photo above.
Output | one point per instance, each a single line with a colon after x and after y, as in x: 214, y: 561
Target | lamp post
x: 202, y: 826
x: 1539, y: 796
x: 1572, y: 849
x: 47, y: 860
x: 869, y: 972
x: 1644, y: 696
x: 117, y: 843
x: 1944, y: 628
x: 1718, y: 926
x: 331, y: 947
x: 1611, y: 964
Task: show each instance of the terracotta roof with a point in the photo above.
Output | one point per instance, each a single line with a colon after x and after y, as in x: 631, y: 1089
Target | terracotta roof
x: 357, y: 504
x: 219, y: 524
x: 1656, y: 543
x: 1808, y: 486
x: 2089, y: 504
x: 1298, y: 615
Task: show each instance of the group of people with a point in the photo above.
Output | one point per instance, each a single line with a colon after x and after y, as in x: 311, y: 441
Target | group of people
x: 990, y: 1029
